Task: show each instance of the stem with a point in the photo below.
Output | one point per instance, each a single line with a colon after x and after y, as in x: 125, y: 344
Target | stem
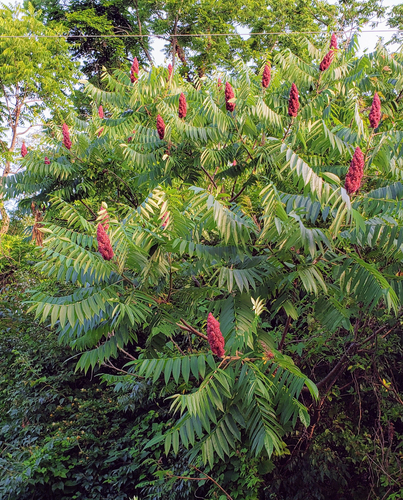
x: 215, y: 482
x: 286, y: 328
x: 209, y: 176
x: 134, y: 197
x: 317, y: 85
x: 88, y: 208
x: 113, y: 367
x: 367, y: 148
x: 288, y: 129
x: 140, y: 33
x: 189, y: 328
x: 170, y: 277
x: 238, y: 194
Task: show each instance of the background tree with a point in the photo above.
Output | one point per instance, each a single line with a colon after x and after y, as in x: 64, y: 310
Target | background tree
x: 36, y: 75
x: 197, y: 55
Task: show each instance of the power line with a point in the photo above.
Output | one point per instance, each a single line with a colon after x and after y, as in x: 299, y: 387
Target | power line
x: 203, y: 34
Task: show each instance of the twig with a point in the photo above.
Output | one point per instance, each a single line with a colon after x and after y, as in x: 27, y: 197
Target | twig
x: 286, y: 132
x: 238, y: 194
x: 127, y: 354
x: 134, y: 199
x: 286, y: 328
x: 215, y: 482
x: 190, y: 329
x: 113, y: 367
x: 209, y: 176
x: 176, y: 345
x: 88, y: 208
x: 170, y: 278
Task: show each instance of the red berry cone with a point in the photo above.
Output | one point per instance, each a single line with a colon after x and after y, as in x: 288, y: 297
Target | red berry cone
x: 170, y: 70
x: 66, y: 136
x: 160, y: 127
x: 104, y: 244
x: 134, y: 71
x: 182, y: 106
x: 101, y: 112
x: 214, y: 336
x: 266, y: 76
x: 355, y: 172
x: 219, y: 83
x: 333, y: 41
x: 375, y: 113
x: 24, y: 150
x: 293, y: 102
x: 229, y: 94
x: 47, y: 161
x: 326, y: 61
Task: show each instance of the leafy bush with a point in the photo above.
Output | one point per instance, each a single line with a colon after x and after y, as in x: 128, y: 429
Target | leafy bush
x: 243, y: 209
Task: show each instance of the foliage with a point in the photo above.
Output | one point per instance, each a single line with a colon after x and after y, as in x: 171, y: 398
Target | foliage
x: 35, y: 76
x: 197, y: 55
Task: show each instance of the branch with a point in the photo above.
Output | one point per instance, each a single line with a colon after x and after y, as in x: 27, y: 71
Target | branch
x: 215, y: 482
x: 26, y: 130
x: 141, y: 38
x: 88, y: 208
x: 127, y: 354
x: 190, y: 329
x: 209, y: 176
x: 113, y: 367
x: 238, y: 194
x: 286, y: 328
x: 339, y: 366
x: 286, y: 132
x: 134, y: 199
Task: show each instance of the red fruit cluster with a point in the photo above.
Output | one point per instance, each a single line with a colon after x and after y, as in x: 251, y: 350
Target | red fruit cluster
x: 66, y: 136
x: 100, y: 131
x: 293, y: 102
x: 47, y: 161
x: 170, y: 70
x: 355, y: 172
x: 160, y: 127
x: 134, y: 71
x: 375, y: 113
x: 326, y: 61
x: 229, y: 94
x: 214, y: 336
x: 333, y: 41
x: 104, y: 216
x: 24, y: 150
x: 266, y: 76
x: 182, y: 106
x: 219, y: 83
x: 104, y: 245
x: 101, y: 112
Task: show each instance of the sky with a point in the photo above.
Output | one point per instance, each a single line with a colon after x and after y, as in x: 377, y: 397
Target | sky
x: 369, y: 40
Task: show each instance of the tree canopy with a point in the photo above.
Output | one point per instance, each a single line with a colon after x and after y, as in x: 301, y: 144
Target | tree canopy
x: 36, y: 76
x: 171, y: 19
